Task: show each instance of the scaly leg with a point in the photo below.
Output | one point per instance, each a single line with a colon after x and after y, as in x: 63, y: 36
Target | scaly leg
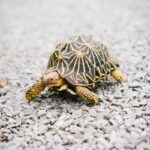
x: 34, y: 90
x: 86, y: 94
x: 118, y: 76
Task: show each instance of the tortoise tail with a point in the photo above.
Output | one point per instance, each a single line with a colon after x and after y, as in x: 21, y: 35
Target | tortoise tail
x: 34, y: 90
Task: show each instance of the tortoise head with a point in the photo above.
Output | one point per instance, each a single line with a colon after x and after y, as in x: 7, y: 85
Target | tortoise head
x: 52, y: 79
x: 49, y: 79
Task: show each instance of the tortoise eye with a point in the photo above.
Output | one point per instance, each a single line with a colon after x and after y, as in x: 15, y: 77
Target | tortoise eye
x: 51, y: 79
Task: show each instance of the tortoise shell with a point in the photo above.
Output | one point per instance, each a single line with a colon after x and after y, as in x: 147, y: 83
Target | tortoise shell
x: 82, y: 61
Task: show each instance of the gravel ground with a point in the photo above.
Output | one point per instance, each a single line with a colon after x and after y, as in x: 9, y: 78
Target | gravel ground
x: 29, y: 30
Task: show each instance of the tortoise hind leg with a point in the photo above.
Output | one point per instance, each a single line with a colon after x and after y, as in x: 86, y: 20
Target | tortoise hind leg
x: 86, y: 94
x: 118, y: 76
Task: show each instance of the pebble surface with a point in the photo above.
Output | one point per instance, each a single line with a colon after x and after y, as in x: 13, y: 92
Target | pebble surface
x: 29, y: 30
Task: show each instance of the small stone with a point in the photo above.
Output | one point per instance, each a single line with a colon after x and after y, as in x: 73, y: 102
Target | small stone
x: 68, y: 123
x: 128, y: 122
x: 3, y: 92
x: 92, y: 113
x: 59, y: 147
x: 118, y: 96
x: 136, y: 104
x: 143, y: 102
x: 84, y: 107
x: 59, y: 123
x: 3, y: 137
x: 57, y: 139
x: 40, y: 129
x: 41, y: 112
x: 119, y: 119
x: 42, y: 147
x: 49, y: 114
x: 143, y: 145
x: 148, y: 78
x: 122, y: 142
x: 75, y: 129
x: 139, y: 122
x: 3, y: 84
x: 29, y: 121
x: 107, y: 117
x: 113, y: 122
x: 77, y: 114
x: 102, y: 141
x: 113, y: 137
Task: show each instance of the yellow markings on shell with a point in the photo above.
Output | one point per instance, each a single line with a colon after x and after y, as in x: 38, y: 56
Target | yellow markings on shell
x: 79, y: 53
x: 60, y: 57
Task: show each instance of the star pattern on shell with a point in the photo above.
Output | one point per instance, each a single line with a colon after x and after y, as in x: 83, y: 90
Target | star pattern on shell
x: 81, y: 60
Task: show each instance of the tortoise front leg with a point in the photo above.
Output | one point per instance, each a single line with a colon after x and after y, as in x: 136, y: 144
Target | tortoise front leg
x: 34, y: 90
x: 86, y: 94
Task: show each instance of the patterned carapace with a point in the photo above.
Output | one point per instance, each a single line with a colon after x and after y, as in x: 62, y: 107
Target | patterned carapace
x: 82, y: 61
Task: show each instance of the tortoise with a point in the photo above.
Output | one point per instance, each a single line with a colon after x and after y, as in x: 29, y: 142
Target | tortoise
x: 77, y: 65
